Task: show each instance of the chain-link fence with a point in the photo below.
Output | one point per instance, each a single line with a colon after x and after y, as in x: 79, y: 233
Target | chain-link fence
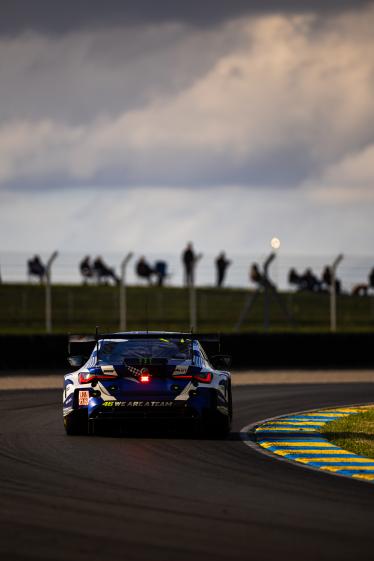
x: 269, y: 302
x: 352, y: 271
x: 81, y: 308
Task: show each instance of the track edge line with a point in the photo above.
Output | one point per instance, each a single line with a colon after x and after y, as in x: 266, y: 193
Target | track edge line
x: 248, y: 430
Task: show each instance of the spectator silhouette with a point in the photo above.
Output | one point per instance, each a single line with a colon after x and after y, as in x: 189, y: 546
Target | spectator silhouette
x: 371, y: 278
x: 306, y: 281
x: 221, y: 265
x: 86, y: 269
x: 259, y: 278
x: 327, y: 279
x: 363, y: 289
x: 144, y: 270
x: 360, y: 290
x: 310, y: 282
x: 160, y: 271
x: 36, y: 268
x: 189, y: 259
x: 295, y: 278
x: 103, y: 272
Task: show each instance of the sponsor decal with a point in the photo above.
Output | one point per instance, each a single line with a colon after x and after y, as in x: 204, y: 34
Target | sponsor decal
x: 138, y: 404
x: 180, y: 369
x: 83, y: 397
x: 108, y: 370
x: 147, y: 360
x: 68, y: 400
x: 133, y: 370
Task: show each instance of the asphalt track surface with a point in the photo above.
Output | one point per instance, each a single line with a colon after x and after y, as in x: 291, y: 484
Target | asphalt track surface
x: 164, y: 497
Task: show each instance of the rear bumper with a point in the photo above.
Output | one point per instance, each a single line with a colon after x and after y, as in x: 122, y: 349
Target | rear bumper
x: 183, y: 412
x: 205, y: 405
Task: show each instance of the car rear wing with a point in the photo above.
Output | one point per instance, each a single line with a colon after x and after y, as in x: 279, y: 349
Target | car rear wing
x: 162, y: 334
x: 81, y: 343
x: 203, y: 337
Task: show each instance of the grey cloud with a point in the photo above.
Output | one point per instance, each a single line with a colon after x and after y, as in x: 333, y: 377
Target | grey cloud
x: 254, y: 103
x: 46, y: 16
x: 73, y: 78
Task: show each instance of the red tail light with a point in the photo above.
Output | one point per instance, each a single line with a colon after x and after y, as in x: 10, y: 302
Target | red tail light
x: 204, y: 377
x: 87, y: 377
x: 144, y: 376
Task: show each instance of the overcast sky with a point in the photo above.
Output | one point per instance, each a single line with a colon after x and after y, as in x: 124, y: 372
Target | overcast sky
x: 143, y: 125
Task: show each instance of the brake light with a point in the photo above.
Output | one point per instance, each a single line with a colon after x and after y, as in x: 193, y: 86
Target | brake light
x: 87, y: 377
x: 145, y: 376
x: 204, y: 377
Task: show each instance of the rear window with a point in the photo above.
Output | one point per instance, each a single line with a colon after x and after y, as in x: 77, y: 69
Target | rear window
x: 116, y: 352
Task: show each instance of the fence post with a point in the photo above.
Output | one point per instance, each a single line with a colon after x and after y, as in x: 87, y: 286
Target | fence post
x: 334, y: 266
x: 122, y: 293
x: 192, y: 295
x: 48, y: 299
x: 266, y: 266
x: 193, y: 315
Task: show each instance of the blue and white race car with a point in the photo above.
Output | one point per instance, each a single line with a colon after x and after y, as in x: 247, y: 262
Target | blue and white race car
x: 133, y: 377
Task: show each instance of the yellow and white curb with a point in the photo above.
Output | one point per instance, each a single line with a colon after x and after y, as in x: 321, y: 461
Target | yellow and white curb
x: 297, y: 438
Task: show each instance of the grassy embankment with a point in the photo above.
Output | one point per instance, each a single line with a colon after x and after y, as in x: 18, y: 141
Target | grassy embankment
x: 79, y: 308
x: 354, y: 433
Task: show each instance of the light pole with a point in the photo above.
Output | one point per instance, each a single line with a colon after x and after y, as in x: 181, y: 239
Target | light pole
x: 334, y: 266
x: 48, y: 299
x: 122, y: 293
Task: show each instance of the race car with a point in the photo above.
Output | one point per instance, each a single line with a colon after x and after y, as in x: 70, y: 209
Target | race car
x: 132, y: 378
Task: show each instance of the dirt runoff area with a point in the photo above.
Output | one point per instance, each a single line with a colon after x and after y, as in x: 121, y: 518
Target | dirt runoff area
x: 38, y: 380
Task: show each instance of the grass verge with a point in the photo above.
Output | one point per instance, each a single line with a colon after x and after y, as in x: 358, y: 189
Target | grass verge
x: 354, y: 433
x: 77, y: 308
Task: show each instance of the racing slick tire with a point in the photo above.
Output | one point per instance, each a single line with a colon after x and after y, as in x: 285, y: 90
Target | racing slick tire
x: 76, y: 423
x: 219, y: 426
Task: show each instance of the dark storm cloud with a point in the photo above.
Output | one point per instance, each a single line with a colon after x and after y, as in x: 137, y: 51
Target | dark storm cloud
x: 46, y: 16
x: 255, y: 101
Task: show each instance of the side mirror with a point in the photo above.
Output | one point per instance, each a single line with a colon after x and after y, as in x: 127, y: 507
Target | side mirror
x: 77, y: 360
x: 221, y: 362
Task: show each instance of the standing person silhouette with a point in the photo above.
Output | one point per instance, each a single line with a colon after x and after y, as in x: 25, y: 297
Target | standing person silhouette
x: 221, y: 265
x: 189, y: 259
x: 371, y: 278
x: 327, y: 280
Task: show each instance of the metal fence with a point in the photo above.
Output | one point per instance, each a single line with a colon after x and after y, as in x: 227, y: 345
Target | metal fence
x: 352, y: 270
x: 67, y: 304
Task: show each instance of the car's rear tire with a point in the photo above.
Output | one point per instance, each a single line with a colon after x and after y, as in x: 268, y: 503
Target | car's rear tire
x: 217, y: 428
x: 223, y: 427
x: 219, y: 425
x: 229, y: 400
x: 76, y: 423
